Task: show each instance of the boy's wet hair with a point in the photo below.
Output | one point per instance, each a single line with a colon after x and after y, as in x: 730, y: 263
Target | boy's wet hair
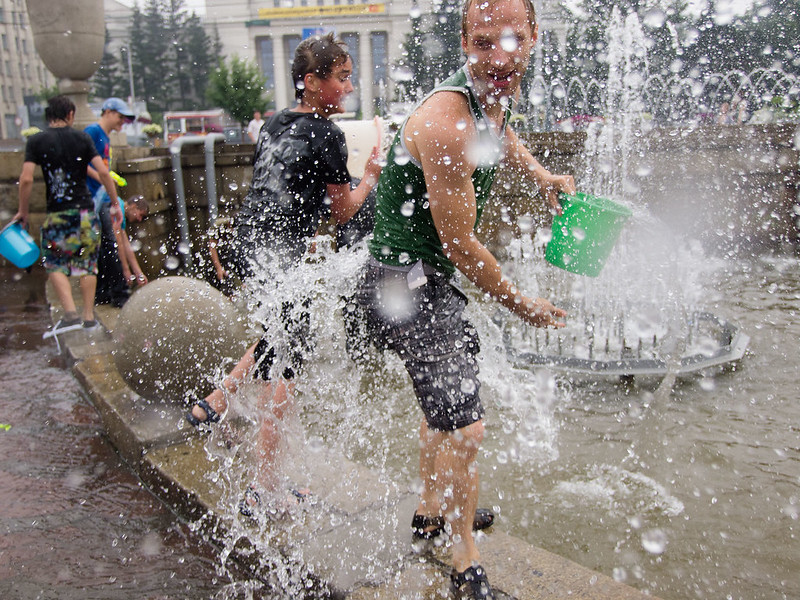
x: 528, y: 4
x: 58, y: 108
x: 317, y: 55
x: 141, y: 203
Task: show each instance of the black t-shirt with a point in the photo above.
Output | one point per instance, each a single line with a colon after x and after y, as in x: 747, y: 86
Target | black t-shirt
x: 63, y: 154
x: 297, y: 155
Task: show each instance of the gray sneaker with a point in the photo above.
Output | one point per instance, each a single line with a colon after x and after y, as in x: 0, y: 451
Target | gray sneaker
x: 93, y: 325
x: 63, y: 326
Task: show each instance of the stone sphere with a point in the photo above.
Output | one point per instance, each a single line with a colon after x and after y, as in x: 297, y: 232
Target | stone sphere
x: 172, y: 336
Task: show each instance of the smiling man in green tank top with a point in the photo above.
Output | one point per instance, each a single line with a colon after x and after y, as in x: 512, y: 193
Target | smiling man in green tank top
x: 430, y: 196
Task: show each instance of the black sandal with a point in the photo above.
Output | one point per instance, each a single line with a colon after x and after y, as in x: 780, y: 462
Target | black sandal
x: 211, y: 415
x: 472, y: 584
x: 484, y: 518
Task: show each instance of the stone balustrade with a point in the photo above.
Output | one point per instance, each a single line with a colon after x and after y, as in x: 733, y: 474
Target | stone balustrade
x: 732, y: 187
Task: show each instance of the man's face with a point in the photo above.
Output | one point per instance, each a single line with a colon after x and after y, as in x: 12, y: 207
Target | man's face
x: 257, y: 116
x: 498, y: 45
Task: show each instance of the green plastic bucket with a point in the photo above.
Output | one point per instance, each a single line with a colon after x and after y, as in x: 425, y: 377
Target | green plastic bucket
x: 18, y: 246
x: 585, y: 233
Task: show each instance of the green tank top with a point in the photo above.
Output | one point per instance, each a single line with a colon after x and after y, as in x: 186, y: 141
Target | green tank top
x: 404, y: 229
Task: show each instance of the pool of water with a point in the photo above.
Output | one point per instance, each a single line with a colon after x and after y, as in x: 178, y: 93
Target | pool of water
x: 694, y: 495
x: 684, y: 491
x: 75, y: 523
x: 692, y: 491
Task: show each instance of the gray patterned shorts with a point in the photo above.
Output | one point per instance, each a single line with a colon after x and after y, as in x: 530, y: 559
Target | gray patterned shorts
x: 427, y: 330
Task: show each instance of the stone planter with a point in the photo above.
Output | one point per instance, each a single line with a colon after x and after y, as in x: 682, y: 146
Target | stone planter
x: 69, y: 36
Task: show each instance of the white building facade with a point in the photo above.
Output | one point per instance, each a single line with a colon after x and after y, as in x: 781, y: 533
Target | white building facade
x: 22, y: 72
x: 268, y: 32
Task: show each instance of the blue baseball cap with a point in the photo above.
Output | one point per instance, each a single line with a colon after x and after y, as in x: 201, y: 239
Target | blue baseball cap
x: 119, y: 106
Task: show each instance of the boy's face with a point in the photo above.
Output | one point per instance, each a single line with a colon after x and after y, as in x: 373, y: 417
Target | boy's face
x: 115, y: 120
x: 336, y: 87
x: 134, y: 214
x: 498, y: 45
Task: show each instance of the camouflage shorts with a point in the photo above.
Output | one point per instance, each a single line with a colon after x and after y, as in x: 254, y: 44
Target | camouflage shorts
x: 70, y: 241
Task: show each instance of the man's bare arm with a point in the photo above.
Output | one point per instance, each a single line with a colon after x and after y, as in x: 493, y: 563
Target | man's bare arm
x: 517, y: 156
x: 443, y: 149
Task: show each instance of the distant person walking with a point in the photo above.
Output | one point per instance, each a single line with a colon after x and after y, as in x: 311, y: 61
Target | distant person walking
x: 724, y: 117
x: 254, y: 126
x: 71, y: 231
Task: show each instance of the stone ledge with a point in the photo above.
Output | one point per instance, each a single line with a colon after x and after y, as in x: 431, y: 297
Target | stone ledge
x: 355, y: 546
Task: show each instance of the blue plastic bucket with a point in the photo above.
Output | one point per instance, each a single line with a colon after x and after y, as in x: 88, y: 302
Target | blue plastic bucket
x: 18, y: 246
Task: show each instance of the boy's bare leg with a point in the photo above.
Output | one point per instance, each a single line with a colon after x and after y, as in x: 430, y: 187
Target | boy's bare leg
x: 230, y: 384
x: 61, y: 284
x: 88, y: 285
x: 274, y: 404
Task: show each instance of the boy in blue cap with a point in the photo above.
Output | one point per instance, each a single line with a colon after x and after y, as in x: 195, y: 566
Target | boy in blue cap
x: 112, y: 285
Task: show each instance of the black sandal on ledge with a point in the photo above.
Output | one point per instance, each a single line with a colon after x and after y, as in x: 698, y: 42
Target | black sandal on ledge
x: 472, y: 584
x: 484, y: 518
x: 211, y: 415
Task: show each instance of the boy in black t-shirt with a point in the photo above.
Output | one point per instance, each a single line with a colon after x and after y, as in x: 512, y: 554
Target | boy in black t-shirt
x: 70, y: 232
x: 299, y: 174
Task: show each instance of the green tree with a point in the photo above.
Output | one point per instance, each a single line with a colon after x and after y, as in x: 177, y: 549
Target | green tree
x: 107, y: 80
x: 428, y: 51
x: 204, y: 53
x: 415, y: 76
x: 237, y: 86
x: 172, y: 56
x: 45, y: 93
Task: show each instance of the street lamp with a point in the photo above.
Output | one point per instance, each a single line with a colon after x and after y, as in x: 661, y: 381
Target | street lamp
x: 127, y: 52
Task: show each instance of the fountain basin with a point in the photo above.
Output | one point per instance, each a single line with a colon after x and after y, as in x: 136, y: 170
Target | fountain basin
x: 711, y: 342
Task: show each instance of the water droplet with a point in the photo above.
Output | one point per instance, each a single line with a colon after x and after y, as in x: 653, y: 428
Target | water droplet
x: 508, y: 40
x: 707, y: 384
x: 461, y: 125
x: 654, y: 541
x: 401, y: 74
x: 467, y: 387
x: 407, y: 209
x: 401, y: 156
x: 183, y: 248
x: 655, y: 18
x: 644, y: 170
x: 415, y: 12
x: 172, y: 263
x: 525, y: 223
x: 233, y: 186
x: 537, y: 95
x: 578, y: 233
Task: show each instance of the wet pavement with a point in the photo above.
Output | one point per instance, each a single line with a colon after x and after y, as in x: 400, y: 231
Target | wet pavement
x: 75, y: 523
